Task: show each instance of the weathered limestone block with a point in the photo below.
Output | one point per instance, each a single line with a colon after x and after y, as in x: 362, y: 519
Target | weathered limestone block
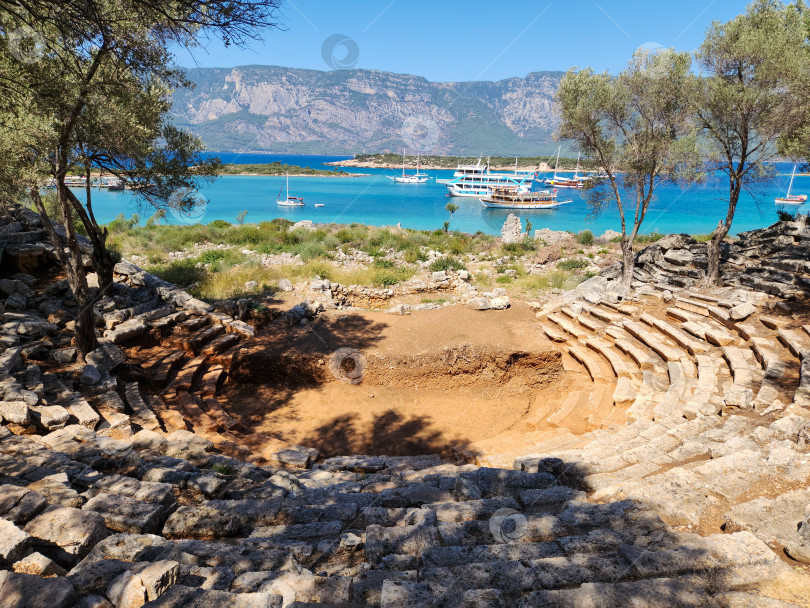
x: 39, y: 565
x: 14, y: 543
x: 28, y: 591
x: 66, y: 534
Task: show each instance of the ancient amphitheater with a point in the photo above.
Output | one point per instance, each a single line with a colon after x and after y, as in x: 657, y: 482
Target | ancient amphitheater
x: 677, y: 475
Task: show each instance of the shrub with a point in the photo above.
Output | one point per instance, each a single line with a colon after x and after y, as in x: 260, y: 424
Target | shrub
x: 585, y: 237
x: 785, y: 216
x: 504, y: 279
x: 210, y: 256
x: 383, y: 263
x: 219, y: 224
x: 181, y: 272
x: 571, y: 264
x: 388, y: 277
x: 446, y: 263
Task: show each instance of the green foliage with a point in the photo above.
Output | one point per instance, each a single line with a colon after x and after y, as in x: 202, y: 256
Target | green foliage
x: 446, y: 263
x: 585, y: 237
x: 571, y: 264
x: 504, y: 280
x: 785, y: 216
x: 121, y: 224
x: 180, y: 272
x: 220, y: 224
x: 383, y: 263
x: 223, y: 469
x: 389, y: 277
x: 649, y: 238
x: 518, y: 249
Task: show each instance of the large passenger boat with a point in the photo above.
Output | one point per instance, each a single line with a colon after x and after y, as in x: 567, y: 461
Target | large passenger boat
x: 508, y: 198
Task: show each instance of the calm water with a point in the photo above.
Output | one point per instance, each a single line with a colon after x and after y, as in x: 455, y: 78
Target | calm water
x: 374, y: 199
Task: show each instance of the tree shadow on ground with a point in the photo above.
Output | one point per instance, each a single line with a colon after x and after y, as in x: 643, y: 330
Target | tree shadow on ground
x: 550, y: 547
x: 286, y: 359
x: 389, y: 434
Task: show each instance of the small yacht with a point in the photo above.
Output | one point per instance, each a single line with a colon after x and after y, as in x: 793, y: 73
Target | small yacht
x: 792, y: 199
x: 508, y: 198
x: 416, y: 178
x: 289, y: 201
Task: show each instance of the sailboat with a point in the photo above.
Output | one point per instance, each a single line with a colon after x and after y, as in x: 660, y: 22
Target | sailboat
x: 289, y: 201
x: 792, y: 199
x: 576, y: 182
x: 416, y: 178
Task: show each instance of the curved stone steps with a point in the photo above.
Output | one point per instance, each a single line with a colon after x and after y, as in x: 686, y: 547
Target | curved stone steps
x: 568, y: 326
x: 603, y: 315
x: 744, y: 369
x: 171, y: 419
x: 654, y: 340
x: 193, y: 343
x: 188, y: 375
x: 161, y: 372
x: 794, y: 340
x: 681, y: 338
x: 221, y: 344
x: 142, y: 413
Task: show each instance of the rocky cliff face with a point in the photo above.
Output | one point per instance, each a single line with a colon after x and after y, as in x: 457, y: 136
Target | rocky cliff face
x: 268, y: 108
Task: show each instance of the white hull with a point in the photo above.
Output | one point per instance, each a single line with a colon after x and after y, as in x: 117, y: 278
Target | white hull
x: 534, y: 205
x: 793, y: 203
x: 409, y: 180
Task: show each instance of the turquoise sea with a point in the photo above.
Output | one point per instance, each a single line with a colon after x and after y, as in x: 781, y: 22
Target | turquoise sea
x: 374, y: 199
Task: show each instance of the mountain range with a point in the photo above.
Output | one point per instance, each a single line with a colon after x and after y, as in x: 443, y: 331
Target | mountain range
x: 288, y: 110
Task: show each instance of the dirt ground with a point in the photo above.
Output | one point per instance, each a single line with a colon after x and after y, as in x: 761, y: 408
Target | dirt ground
x: 378, y: 383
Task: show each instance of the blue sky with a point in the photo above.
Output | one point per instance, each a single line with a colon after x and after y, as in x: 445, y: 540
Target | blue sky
x: 449, y: 40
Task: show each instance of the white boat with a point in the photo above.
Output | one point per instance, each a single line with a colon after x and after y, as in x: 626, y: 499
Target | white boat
x: 479, y: 170
x: 319, y: 204
x: 477, y: 186
x: 576, y: 182
x: 792, y: 199
x: 289, y: 201
x: 416, y: 178
x: 506, y: 198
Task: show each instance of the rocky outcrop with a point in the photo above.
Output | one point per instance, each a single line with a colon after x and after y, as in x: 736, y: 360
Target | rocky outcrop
x: 771, y: 260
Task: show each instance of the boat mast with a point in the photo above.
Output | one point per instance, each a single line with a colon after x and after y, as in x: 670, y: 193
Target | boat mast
x: 403, y: 163
x: 557, y: 163
x: 792, y: 177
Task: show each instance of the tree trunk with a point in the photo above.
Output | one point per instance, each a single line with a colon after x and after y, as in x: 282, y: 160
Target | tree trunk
x: 713, y: 270
x: 77, y: 278
x: 723, y: 227
x: 628, y: 263
x: 103, y: 263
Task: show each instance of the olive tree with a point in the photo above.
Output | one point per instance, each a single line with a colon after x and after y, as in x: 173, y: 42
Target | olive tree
x: 751, y: 100
x: 636, y: 127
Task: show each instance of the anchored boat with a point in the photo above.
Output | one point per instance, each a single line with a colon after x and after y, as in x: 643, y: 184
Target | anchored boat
x: 416, y: 178
x: 507, y: 198
x: 290, y: 201
x: 792, y: 199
